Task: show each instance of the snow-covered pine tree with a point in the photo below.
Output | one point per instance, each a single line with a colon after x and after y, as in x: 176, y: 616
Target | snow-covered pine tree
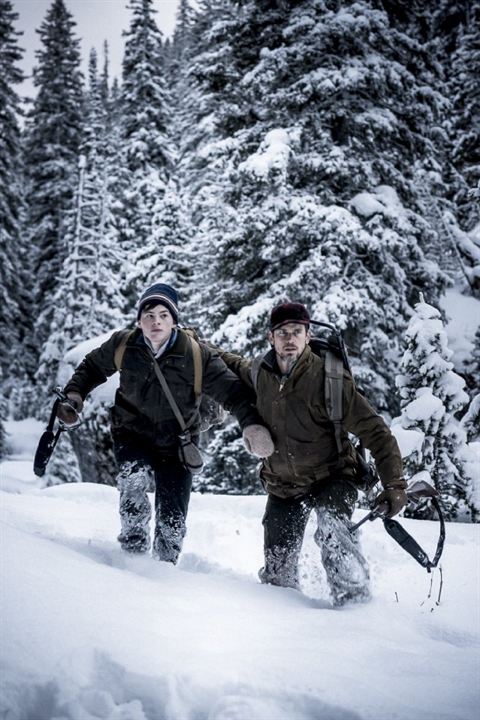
x: 471, y: 419
x: 431, y: 394
x: 88, y: 300
x: 182, y: 35
x: 53, y: 136
x: 458, y: 27
x: 475, y: 364
x: 63, y: 466
x: 148, y: 150
x: 10, y: 178
x: 199, y: 75
x: 12, y: 281
x: 104, y: 79
x: 3, y: 416
x: 229, y: 469
x: 177, y: 64
x: 314, y: 196
x: 307, y: 123
x: 166, y: 252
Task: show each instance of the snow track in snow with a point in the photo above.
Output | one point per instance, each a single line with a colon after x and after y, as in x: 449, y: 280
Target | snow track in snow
x: 111, y: 692
x: 88, y: 632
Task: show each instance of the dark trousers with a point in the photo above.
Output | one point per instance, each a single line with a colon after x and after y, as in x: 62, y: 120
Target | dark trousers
x: 142, y: 468
x: 284, y: 525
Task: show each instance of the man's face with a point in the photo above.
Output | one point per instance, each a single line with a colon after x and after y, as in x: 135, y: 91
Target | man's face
x: 289, y: 341
x: 156, y: 324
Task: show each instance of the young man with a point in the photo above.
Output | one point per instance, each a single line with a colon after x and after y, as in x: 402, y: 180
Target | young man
x: 306, y: 471
x: 145, y: 430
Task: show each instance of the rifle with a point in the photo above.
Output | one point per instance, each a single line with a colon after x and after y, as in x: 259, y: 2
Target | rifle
x: 49, y: 438
x: 417, y: 492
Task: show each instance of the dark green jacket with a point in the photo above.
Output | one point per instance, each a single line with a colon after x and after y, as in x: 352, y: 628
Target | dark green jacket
x: 140, y: 404
x: 305, y: 448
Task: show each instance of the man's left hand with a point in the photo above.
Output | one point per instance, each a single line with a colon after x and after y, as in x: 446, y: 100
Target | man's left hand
x: 396, y: 499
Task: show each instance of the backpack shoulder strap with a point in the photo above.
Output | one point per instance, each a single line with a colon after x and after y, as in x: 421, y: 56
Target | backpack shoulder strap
x: 197, y: 367
x: 120, y: 350
x: 254, y: 370
x: 334, y: 393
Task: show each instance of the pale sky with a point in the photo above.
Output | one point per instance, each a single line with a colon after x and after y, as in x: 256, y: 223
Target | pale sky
x: 97, y: 20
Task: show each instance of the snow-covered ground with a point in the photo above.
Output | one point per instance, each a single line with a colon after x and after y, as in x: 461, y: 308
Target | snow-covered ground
x: 89, y: 633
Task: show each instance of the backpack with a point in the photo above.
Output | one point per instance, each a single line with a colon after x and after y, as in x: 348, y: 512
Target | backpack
x: 209, y: 410
x: 332, y: 348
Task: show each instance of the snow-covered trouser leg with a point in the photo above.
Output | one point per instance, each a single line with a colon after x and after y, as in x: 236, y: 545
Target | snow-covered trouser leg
x: 345, y: 567
x: 133, y: 482
x: 284, y: 525
x: 173, y: 484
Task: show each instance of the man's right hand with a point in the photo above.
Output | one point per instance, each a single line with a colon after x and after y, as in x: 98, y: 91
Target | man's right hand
x: 258, y: 441
x: 68, y: 412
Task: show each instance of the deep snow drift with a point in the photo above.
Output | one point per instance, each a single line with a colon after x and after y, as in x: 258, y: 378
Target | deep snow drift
x: 88, y: 633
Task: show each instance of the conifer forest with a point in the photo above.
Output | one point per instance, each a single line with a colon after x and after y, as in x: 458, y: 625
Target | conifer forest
x: 320, y: 151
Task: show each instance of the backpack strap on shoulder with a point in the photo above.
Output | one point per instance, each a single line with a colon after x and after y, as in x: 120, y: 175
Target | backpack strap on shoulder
x: 255, y: 370
x: 334, y: 394
x: 197, y: 367
x: 120, y: 350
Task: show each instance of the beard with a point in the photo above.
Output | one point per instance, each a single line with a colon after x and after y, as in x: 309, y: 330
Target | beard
x: 289, y: 360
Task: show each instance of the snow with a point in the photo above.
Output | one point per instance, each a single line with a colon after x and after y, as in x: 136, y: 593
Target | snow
x: 409, y: 441
x: 274, y: 152
x: 90, y: 633
x: 366, y: 204
x: 463, y: 313
x: 384, y: 200
x: 470, y: 456
x: 425, y: 406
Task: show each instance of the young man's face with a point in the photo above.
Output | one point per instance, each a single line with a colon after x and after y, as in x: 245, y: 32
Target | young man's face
x: 156, y: 324
x: 289, y: 341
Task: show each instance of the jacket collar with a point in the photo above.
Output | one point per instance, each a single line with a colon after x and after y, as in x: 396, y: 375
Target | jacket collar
x: 177, y: 343
x: 269, y: 361
x: 163, y: 348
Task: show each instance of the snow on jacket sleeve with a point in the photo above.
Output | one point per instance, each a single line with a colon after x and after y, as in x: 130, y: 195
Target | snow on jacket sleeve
x: 361, y: 419
x: 96, y: 367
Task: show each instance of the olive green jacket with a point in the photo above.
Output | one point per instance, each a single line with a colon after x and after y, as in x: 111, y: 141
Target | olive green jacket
x: 140, y: 403
x: 294, y: 410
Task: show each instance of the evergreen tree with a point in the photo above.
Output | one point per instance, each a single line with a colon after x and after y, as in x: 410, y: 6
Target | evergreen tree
x: 53, y: 137
x: 146, y: 144
x: 88, y: 301
x: 311, y: 125
x: 63, y: 466
x: 465, y: 124
x: 475, y: 362
x: 182, y: 36
x: 15, y: 278
x: 166, y: 253
x: 3, y: 416
x: 93, y: 445
x: 229, y: 468
x: 315, y: 195
x: 458, y: 29
x: 431, y: 395
x: 177, y: 62
x: 471, y: 419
